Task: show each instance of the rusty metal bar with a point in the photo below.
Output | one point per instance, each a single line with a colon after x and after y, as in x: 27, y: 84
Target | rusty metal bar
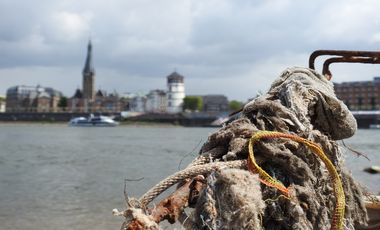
x: 367, y: 57
x: 363, y: 60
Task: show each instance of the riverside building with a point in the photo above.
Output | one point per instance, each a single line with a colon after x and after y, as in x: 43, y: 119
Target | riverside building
x: 215, y: 103
x: 360, y: 95
x: 156, y: 101
x: 23, y: 98
x: 175, y: 93
x: 2, y: 104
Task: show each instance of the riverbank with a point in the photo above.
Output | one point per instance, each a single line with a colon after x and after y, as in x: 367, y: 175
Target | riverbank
x: 125, y: 123
x: 182, y: 119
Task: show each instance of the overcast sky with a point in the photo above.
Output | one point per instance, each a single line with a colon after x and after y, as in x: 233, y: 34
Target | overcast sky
x: 235, y: 47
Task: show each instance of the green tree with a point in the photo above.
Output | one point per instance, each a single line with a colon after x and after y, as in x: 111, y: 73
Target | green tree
x: 192, y: 103
x: 62, y: 102
x: 235, y: 105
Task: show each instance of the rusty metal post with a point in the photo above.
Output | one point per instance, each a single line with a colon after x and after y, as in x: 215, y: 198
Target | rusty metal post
x: 366, y: 57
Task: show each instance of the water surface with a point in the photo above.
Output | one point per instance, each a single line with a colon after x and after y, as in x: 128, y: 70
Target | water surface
x: 58, y: 177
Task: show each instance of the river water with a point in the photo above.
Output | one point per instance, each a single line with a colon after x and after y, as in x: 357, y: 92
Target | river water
x: 58, y: 177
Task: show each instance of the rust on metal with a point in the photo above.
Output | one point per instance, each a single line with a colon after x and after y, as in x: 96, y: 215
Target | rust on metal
x: 366, y: 57
x: 173, y: 206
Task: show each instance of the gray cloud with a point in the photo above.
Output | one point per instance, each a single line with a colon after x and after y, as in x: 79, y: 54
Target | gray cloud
x: 221, y: 46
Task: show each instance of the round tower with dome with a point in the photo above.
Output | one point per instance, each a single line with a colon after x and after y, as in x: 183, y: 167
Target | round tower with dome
x: 176, y: 92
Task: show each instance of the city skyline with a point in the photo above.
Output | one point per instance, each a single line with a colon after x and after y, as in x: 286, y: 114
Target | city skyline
x: 235, y: 48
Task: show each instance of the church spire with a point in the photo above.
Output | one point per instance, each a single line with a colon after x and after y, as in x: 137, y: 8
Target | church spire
x: 88, y: 75
x: 88, y: 66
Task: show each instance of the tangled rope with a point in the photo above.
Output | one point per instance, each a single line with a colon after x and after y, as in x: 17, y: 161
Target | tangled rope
x: 300, y: 101
x: 189, y: 172
x: 338, y: 218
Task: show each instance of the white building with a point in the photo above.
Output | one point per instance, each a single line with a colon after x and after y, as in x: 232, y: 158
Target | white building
x: 175, y: 93
x: 156, y: 101
x: 2, y: 104
x: 137, y: 103
x: 23, y: 98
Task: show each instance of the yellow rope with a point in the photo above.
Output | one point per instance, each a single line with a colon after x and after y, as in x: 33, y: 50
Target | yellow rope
x: 337, y: 221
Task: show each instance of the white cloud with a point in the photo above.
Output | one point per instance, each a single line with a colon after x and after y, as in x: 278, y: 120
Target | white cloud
x: 69, y: 26
x: 351, y: 21
x: 375, y: 38
x: 219, y: 45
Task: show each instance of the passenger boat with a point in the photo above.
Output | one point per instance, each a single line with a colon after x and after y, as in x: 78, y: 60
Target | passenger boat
x: 93, y: 121
x: 374, y: 126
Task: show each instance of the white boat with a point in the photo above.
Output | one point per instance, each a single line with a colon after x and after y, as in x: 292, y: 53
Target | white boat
x: 374, y: 126
x: 93, y: 121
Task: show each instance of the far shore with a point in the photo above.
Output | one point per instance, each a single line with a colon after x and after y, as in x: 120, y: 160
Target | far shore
x: 121, y: 123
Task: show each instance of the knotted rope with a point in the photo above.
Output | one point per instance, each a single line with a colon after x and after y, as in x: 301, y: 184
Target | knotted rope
x: 338, y: 217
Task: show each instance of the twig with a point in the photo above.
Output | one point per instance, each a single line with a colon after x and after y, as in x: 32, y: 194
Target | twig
x: 356, y: 152
x: 126, y: 197
x: 187, y: 154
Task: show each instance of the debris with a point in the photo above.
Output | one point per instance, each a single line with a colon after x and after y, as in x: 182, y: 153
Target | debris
x: 373, y: 169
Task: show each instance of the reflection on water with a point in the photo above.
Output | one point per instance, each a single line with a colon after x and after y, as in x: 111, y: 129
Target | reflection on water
x: 58, y: 177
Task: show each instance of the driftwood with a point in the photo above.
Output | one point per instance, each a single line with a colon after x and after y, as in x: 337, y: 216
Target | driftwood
x: 301, y: 102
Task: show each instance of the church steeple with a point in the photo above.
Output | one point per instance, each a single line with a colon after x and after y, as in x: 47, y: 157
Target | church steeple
x: 89, y: 75
x: 88, y: 66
